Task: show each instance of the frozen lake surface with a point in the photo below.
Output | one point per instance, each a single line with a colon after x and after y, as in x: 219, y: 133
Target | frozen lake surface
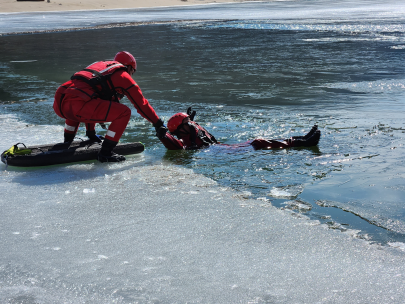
x: 214, y: 226
x: 157, y: 233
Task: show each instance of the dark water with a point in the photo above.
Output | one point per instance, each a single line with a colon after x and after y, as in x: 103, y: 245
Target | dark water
x: 249, y: 79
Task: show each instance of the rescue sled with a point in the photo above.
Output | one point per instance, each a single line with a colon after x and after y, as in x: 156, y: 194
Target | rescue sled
x: 61, y: 153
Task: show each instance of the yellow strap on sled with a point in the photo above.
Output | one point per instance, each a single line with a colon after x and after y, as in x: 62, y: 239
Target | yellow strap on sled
x: 15, y: 150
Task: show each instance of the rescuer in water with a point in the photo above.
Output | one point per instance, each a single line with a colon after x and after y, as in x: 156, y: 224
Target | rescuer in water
x: 92, y: 96
x: 191, y: 135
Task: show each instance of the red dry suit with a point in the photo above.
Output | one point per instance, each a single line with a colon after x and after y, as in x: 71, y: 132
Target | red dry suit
x: 92, y: 96
x: 198, y: 137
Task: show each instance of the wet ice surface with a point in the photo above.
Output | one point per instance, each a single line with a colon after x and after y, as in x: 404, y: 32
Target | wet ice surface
x: 132, y: 238
x: 148, y: 232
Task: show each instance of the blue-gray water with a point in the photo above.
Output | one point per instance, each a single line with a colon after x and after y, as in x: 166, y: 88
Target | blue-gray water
x: 272, y: 71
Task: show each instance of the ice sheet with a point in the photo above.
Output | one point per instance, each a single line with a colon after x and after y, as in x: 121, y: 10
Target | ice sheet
x: 157, y: 233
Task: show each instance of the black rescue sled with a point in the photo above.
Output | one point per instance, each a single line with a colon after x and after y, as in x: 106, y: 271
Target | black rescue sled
x: 52, y: 154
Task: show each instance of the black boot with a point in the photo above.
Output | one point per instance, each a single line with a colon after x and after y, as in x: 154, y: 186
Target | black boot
x: 69, y: 137
x: 93, y: 137
x: 311, y: 132
x: 307, y: 142
x: 308, y: 135
x: 106, y: 153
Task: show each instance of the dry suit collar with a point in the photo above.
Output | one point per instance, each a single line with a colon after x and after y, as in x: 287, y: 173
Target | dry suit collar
x: 131, y: 70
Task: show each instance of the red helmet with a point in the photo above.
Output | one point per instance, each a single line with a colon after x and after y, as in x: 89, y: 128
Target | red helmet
x: 126, y: 59
x: 175, y: 121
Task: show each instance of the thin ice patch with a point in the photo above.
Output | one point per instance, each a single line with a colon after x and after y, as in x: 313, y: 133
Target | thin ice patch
x: 398, y: 47
x: 298, y: 205
x: 287, y: 191
x: 398, y: 245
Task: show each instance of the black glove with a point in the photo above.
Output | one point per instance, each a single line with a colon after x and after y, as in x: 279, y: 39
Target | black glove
x: 158, y: 124
x: 160, y: 129
x: 190, y: 113
x: 161, y: 132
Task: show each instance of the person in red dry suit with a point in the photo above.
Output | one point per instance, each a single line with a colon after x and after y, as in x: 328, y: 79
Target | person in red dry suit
x: 191, y: 135
x: 92, y: 96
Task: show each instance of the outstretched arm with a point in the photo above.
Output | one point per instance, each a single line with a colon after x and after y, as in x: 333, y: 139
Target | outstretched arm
x: 124, y: 82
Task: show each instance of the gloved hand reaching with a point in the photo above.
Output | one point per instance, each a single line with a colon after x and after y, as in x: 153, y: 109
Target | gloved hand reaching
x: 160, y: 129
x: 191, y: 113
